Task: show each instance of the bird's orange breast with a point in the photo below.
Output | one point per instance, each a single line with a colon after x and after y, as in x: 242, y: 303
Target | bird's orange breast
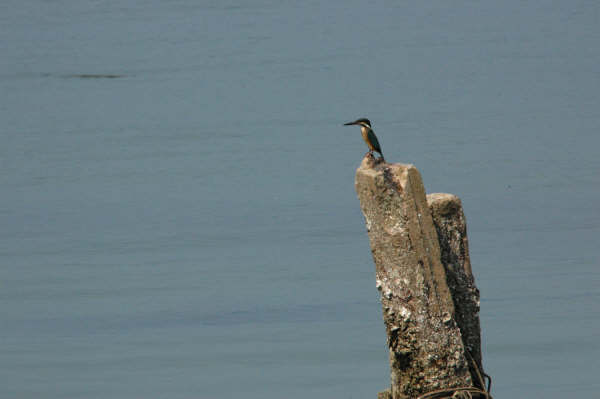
x: 365, y: 135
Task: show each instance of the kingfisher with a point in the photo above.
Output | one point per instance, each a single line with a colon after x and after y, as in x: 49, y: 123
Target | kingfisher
x: 368, y: 135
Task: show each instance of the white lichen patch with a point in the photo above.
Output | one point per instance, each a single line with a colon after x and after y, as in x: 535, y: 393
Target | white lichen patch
x: 387, y: 292
x: 396, y: 229
x: 446, y: 318
x: 405, y: 313
x: 368, y: 223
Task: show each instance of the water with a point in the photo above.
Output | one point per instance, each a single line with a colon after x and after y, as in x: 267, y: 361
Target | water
x: 189, y: 229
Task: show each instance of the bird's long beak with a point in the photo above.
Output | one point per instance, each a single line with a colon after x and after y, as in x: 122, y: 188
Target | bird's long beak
x: 350, y: 123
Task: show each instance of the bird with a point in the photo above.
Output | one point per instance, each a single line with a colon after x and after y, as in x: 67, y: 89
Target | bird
x: 368, y: 135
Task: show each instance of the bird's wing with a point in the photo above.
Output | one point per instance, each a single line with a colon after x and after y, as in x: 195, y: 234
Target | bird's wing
x: 373, y: 140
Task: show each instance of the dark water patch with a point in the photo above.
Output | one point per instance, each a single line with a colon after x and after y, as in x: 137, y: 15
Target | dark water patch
x: 94, y: 76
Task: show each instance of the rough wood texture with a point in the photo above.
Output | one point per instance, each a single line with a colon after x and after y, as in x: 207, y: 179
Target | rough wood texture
x: 451, y: 227
x: 425, y: 343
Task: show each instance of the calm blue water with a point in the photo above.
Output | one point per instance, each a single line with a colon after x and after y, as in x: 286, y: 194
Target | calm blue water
x: 190, y: 229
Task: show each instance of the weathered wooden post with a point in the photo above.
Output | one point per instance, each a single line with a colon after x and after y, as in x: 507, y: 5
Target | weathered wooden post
x: 427, y: 292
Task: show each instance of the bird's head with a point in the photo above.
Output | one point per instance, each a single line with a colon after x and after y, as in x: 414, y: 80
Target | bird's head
x: 364, y: 122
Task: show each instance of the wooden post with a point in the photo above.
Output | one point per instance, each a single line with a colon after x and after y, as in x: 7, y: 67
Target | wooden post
x: 427, y: 349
